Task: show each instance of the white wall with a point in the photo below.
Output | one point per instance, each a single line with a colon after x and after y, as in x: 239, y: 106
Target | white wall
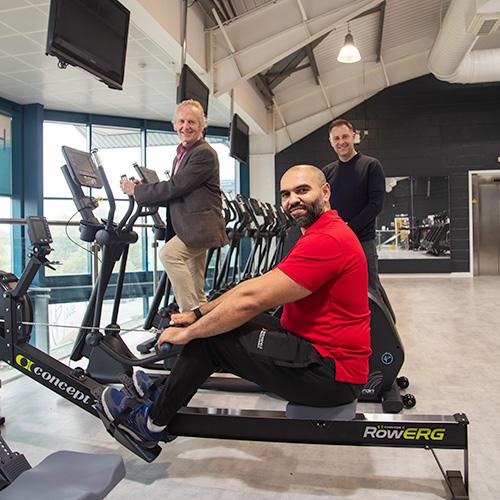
x: 262, y: 177
x: 262, y: 152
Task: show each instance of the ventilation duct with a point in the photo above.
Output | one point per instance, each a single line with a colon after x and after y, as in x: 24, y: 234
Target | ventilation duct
x: 451, y: 58
x: 483, y: 27
x: 483, y: 17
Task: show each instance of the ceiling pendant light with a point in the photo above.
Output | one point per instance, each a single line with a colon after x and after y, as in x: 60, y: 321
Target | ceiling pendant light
x: 349, y: 53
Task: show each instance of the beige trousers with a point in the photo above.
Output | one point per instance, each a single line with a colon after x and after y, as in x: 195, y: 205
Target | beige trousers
x: 185, y: 267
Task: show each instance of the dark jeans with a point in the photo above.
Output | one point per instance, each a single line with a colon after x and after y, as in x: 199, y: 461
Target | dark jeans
x: 263, y: 353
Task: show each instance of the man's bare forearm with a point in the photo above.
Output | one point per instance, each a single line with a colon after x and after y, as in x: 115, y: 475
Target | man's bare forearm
x: 211, y: 305
x: 236, y: 307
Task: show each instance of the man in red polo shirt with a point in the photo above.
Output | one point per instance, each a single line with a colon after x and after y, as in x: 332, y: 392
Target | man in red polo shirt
x: 319, y: 354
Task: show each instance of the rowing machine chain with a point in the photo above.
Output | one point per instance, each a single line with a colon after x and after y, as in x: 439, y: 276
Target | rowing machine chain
x: 109, y: 329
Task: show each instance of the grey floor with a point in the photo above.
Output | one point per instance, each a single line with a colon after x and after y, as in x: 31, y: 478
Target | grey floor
x: 450, y: 328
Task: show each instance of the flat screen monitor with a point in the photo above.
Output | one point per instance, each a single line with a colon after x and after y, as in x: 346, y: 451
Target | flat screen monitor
x: 92, y: 35
x: 191, y: 87
x: 238, y: 139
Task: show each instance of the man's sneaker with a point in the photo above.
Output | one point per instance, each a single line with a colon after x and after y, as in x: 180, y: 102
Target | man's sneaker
x: 144, y: 386
x: 134, y: 423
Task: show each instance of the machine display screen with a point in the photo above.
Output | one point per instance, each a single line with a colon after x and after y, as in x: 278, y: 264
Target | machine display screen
x: 147, y: 175
x: 38, y: 230
x: 82, y: 167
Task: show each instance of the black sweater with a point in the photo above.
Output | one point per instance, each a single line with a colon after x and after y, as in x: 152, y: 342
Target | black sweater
x: 357, y: 192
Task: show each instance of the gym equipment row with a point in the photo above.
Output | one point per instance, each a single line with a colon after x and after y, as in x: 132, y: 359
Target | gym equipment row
x: 436, y: 237
x: 432, y: 235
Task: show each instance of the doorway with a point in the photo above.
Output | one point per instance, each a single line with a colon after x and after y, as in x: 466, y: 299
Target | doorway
x: 485, y: 219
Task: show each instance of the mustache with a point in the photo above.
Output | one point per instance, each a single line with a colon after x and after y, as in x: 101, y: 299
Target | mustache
x: 297, y: 205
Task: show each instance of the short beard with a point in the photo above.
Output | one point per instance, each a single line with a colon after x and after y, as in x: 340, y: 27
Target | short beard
x: 313, y: 213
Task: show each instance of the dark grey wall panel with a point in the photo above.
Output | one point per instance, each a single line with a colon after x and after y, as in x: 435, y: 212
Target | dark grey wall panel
x: 423, y: 127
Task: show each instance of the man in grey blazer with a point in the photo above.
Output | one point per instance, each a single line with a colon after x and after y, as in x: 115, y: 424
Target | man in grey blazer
x: 194, y: 217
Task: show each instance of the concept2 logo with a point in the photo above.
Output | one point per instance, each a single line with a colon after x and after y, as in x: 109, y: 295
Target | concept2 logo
x: 401, y: 432
x: 53, y: 380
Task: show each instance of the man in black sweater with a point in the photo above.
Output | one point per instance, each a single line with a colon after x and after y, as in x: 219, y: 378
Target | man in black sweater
x: 357, y: 192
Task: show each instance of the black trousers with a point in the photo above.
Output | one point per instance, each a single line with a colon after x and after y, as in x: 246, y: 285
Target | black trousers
x: 263, y: 353
x: 370, y: 249
x: 374, y: 283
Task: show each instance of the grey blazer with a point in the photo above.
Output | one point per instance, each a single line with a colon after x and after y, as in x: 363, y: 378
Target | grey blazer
x: 193, y: 198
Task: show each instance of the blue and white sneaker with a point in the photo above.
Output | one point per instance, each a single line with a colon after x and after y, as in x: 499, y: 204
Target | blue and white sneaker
x: 115, y: 402
x: 145, y: 386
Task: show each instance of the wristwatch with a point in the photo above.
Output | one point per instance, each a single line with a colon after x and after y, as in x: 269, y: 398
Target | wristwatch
x: 197, y: 312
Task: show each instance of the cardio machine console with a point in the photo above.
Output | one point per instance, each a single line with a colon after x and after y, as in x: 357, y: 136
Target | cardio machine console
x: 146, y: 175
x: 82, y: 168
x: 38, y: 230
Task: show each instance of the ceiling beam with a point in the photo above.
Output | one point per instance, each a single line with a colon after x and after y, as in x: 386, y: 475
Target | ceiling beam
x: 259, y: 44
x: 286, y: 67
x: 380, y: 30
x: 285, y: 73
x: 368, y: 12
x: 380, y: 8
x: 264, y: 89
x: 314, y: 66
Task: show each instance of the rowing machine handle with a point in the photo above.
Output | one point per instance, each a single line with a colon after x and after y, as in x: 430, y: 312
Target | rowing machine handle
x: 165, y: 349
x: 166, y: 346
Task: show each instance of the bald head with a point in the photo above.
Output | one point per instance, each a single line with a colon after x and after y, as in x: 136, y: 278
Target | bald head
x: 305, y: 194
x: 314, y: 174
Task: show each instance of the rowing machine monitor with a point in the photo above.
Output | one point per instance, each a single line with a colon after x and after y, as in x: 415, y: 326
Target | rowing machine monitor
x: 38, y: 230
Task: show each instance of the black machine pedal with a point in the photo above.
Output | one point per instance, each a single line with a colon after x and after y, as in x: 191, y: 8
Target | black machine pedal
x: 147, y: 450
x: 128, y: 386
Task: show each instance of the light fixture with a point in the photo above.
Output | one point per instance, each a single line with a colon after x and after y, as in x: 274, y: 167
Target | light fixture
x: 349, y: 53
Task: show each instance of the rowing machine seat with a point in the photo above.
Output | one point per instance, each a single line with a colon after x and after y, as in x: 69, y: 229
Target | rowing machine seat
x: 303, y: 412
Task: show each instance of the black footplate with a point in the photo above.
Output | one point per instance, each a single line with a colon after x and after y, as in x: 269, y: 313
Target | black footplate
x: 128, y: 386
x: 147, y: 450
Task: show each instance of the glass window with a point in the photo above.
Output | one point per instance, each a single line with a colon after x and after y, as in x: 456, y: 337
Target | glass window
x: 56, y: 135
x: 227, y: 167
x: 162, y: 148
x: 119, y: 149
x: 411, y: 207
x: 6, y: 235
x: 160, y: 151
x: 61, y: 337
x: 69, y: 249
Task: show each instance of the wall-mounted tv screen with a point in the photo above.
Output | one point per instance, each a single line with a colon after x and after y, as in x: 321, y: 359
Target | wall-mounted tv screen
x: 238, y: 139
x: 90, y: 34
x: 191, y: 87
